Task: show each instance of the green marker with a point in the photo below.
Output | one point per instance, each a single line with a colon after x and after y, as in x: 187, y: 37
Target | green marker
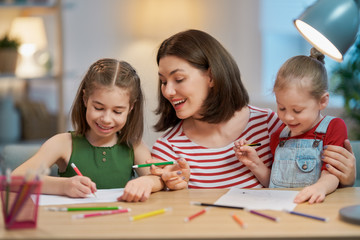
x: 149, y: 164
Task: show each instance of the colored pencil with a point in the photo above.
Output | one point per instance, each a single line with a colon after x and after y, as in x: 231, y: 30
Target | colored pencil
x: 65, y: 209
x: 308, y: 216
x: 8, y: 183
x: 215, y: 205
x: 263, y: 215
x: 253, y: 144
x: 149, y: 214
x: 149, y: 164
x: 102, y: 213
x: 187, y: 219
x: 239, y: 221
x: 79, y: 173
x: 25, y: 190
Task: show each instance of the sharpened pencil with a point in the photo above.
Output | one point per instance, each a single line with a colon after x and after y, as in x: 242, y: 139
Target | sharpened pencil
x: 149, y: 164
x: 80, y: 174
x: 102, y: 213
x: 308, y: 216
x: 214, y: 205
x: 275, y: 219
x: 188, y: 219
x: 65, y: 209
x: 239, y: 221
x: 253, y: 144
x: 149, y: 214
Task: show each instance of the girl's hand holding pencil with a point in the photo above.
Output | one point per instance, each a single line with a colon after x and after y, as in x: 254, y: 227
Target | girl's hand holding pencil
x: 79, y: 186
x: 246, y: 153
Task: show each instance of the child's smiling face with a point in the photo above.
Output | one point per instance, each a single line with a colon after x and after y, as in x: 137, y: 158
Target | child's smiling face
x: 298, y: 109
x: 106, y: 111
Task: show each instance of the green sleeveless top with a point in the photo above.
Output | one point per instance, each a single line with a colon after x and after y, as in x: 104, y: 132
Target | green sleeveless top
x: 108, y: 167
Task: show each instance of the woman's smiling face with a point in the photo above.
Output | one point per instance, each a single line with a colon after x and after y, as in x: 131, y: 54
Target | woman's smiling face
x: 185, y: 86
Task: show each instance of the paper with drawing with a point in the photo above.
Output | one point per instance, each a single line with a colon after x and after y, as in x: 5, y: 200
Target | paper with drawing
x: 259, y: 199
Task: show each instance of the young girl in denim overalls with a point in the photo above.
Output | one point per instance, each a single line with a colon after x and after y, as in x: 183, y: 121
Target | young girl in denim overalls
x: 301, y: 93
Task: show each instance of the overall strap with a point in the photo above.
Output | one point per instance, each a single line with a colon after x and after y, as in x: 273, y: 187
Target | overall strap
x: 285, y: 132
x: 322, y: 128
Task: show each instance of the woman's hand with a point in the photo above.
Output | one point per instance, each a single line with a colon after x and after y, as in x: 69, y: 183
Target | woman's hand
x: 78, y: 186
x: 137, y: 190
x: 341, y: 162
x: 175, y: 176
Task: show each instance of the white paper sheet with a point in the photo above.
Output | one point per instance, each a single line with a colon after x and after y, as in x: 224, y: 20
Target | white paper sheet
x: 102, y: 195
x: 259, y: 199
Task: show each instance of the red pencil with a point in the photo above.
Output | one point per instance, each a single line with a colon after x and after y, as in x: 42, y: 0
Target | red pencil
x: 78, y: 173
x: 187, y: 219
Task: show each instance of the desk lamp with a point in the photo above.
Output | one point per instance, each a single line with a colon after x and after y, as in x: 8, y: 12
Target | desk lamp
x: 330, y: 26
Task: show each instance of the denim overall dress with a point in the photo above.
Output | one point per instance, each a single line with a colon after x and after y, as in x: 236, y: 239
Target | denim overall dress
x: 297, y: 162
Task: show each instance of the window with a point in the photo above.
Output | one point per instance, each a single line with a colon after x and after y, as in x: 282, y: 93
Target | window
x: 281, y: 40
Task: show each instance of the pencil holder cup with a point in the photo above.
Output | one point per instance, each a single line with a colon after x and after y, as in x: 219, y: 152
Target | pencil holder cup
x: 20, y: 201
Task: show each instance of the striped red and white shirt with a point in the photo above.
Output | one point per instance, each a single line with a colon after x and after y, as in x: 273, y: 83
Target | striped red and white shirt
x: 219, y: 167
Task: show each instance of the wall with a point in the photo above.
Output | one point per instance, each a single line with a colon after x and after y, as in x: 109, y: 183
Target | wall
x: 133, y: 29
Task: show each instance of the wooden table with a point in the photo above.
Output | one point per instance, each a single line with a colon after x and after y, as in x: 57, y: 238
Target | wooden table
x: 215, y: 224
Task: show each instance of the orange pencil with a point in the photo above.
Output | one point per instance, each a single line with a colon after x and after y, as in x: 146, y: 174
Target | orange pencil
x: 238, y: 220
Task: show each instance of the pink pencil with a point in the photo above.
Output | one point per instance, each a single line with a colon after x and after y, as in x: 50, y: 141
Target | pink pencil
x: 102, y: 213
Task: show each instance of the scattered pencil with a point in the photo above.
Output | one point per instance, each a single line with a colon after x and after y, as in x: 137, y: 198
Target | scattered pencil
x: 275, y: 219
x: 65, y: 209
x: 188, y: 219
x: 239, y: 221
x: 102, y: 213
x: 149, y: 214
x: 149, y: 164
x: 214, y: 205
x: 308, y: 216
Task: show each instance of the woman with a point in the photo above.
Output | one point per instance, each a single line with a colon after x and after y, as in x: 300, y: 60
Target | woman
x: 204, y: 108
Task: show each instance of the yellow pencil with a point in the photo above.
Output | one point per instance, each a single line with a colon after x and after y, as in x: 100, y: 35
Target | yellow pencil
x: 149, y: 214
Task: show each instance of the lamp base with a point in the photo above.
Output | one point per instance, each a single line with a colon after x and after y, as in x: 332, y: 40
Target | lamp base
x: 350, y: 214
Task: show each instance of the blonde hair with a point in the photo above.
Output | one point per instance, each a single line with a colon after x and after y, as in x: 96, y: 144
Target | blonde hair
x: 306, y: 72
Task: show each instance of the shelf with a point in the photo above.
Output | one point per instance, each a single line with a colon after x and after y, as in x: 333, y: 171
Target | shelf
x: 38, y: 87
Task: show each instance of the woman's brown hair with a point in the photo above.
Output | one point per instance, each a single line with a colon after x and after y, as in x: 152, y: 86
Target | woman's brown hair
x: 204, y: 52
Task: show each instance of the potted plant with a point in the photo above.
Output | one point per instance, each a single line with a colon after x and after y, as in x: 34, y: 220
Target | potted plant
x: 8, y: 54
x: 346, y: 82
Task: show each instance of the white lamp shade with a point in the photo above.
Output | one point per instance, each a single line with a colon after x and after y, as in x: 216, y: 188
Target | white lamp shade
x: 330, y: 26
x: 29, y: 30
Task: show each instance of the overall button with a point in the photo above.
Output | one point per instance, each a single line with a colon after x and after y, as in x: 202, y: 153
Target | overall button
x: 282, y: 143
x: 104, y: 159
x: 315, y: 144
x: 304, y: 167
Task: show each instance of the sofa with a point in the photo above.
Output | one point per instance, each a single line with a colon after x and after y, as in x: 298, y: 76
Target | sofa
x: 12, y: 155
